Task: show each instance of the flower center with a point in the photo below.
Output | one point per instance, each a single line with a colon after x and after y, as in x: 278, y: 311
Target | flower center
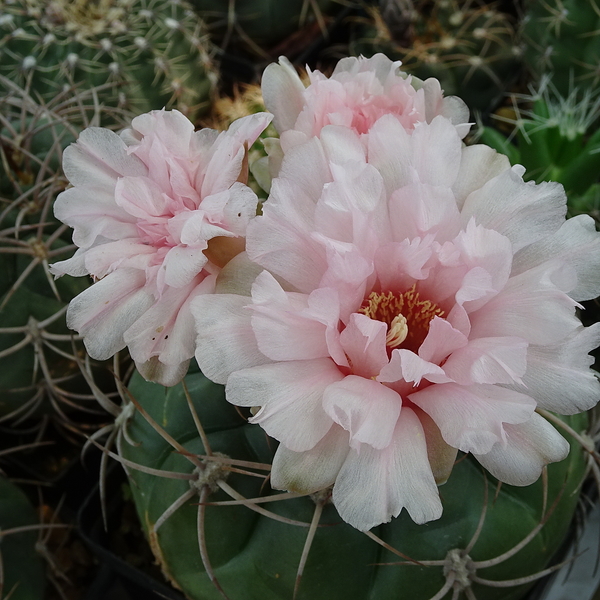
x: 406, y: 315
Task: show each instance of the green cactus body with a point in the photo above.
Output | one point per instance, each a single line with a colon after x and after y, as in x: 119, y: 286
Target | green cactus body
x: 155, y: 52
x: 470, y: 47
x: 561, y: 39
x: 256, y: 556
x: 24, y: 573
x: 555, y: 139
x: 259, y: 22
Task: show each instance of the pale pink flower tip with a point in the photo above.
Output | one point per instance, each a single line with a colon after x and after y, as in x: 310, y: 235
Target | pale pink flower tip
x: 359, y: 92
x: 156, y: 212
x: 411, y: 297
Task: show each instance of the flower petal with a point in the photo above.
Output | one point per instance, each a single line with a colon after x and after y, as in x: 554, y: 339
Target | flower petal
x: 312, y: 470
x: 471, y: 418
x: 104, y: 311
x: 365, y: 408
x: 290, y: 395
x: 528, y: 448
x: 375, y: 485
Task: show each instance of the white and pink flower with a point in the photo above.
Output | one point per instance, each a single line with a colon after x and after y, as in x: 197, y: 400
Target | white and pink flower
x: 156, y: 212
x: 359, y: 92
x: 403, y: 297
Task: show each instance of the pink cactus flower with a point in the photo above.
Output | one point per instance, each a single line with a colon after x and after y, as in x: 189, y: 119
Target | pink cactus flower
x: 401, y: 298
x: 156, y: 213
x: 358, y: 93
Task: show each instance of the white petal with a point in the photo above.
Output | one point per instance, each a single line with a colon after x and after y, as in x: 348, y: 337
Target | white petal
x: 478, y: 164
x: 488, y: 360
x: 99, y: 158
x: 577, y: 243
x: 528, y: 448
x: 104, y: 311
x: 523, y: 212
x: 559, y: 377
x: 283, y: 93
x: 375, y: 485
x: 290, y: 395
x: 225, y: 341
x: 365, y: 408
x: 312, y: 470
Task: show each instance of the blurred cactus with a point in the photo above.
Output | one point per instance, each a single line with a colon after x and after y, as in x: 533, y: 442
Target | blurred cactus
x: 471, y: 47
x: 257, y: 25
x: 561, y: 39
x: 199, y: 475
x: 155, y: 51
x: 22, y: 569
x: 554, y: 137
x: 41, y: 359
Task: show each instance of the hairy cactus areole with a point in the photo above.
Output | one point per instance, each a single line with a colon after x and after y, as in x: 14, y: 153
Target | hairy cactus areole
x: 157, y: 212
x: 412, y: 297
x: 561, y: 41
x: 156, y: 51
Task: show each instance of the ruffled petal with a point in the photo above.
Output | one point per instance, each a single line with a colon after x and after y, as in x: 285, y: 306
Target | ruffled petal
x: 364, y: 408
x: 375, y: 485
x: 472, y: 418
x: 226, y: 340
x: 104, y: 312
x: 527, y: 449
x: 290, y: 395
x: 312, y: 470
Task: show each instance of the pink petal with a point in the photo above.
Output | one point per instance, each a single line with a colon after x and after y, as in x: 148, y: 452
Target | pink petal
x: 441, y: 340
x: 400, y: 264
x: 406, y: 365
x: 182, y: 264
x: 375, y: 485
x: 363, y: 342
x: 472, y: 418
x: 528, y: 448
x: 488, y: 360
x: 418, y: 209
x: 290, y: 395
x: 285, y: 325
x: 140, y: 197
x: 364, y: 408
x: 98, y: 159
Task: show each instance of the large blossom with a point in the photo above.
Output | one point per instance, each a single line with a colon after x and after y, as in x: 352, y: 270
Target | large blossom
x: 156, y: 212
x: 401, y: 300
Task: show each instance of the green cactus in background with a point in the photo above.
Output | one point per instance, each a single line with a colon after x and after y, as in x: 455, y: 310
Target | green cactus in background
x: 471, y: 47
x: 155, y: 51
x: 555, y: 138
x: 259, y: 24
x: 199, y: 478
x: 23, y: 571
x: 561, y: 39
x: 41, y: 374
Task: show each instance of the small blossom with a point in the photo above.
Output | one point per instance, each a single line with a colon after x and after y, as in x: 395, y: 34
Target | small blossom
x: 156, y: 213
x: 358, y: 93
x: 404, y: 297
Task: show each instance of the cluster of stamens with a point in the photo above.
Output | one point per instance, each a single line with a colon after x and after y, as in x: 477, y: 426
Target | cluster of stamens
x: 406, y: 315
